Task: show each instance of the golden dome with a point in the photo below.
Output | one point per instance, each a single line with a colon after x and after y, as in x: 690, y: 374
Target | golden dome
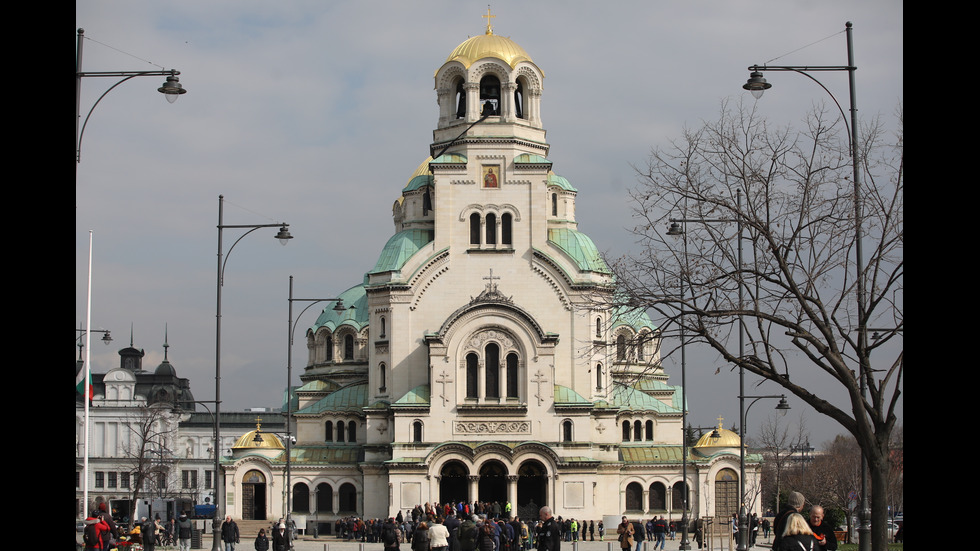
x: 258, y: 439
x: 724, y: 439
x: 489, y: 45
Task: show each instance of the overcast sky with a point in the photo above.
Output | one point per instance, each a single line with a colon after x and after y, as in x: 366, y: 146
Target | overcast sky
x: 316, y: 113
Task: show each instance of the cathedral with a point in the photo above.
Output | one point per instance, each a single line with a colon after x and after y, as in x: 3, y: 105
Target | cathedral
x: 484, y: 357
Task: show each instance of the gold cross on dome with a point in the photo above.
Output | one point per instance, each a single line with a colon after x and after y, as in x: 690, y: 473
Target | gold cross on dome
x: 488, y: 16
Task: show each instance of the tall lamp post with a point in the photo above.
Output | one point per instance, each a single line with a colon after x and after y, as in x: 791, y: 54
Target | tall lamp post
x: 339, y: 307
x: 85, y: 390
x: 678, y: 228
x: 782, y: 407
x: 171, y: 89
x: 283, y: 236
x: 757, y: 85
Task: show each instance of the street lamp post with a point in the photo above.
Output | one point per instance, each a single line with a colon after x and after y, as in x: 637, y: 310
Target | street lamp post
x: 171, y: 89
x: 678, y: 227
x: 757, y: 85
x: 743, y: 522
x: 85, y: 389
x: 339, y: 307
x: 283, y: 236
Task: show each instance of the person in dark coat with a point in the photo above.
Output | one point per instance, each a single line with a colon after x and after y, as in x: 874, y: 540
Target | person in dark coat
x: 549, y: 535
x: 261, y: 541
x: 794, y: 504
x: 821, y: 530
x: 280, y: 540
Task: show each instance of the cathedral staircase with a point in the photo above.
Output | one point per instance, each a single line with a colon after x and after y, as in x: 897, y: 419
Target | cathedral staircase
x: 248, y: 529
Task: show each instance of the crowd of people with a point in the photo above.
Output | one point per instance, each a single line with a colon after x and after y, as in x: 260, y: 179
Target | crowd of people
x: 478, y: 526
x: 101, y: 532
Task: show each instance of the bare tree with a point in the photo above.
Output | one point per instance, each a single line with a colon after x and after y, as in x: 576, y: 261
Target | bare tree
x: 774, y: 442
x: 149, y: 449
x: 768, y: 269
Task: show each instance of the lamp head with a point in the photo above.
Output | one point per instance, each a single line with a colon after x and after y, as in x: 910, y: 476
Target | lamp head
x: 106, y: 338
x: 783, y: 405
x: 675, y: 230
x: 284, y: 236
x: 756, y: 84
x: 172, y: 88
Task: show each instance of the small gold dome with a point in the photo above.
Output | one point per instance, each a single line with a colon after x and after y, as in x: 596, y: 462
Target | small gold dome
x: 489, y: 45
x: 724, y: 439
x: 258, y: 439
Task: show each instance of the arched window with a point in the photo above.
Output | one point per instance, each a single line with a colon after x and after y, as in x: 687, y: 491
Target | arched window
x: 640, y: 340
x: 383, y: 375
x: 621, y: 348
x: 506, y: 237
x: 626, y: 431
x: 677, y: 497
x: 324, y: 498
x: 489, y: 95
x: 554, y: 204
x: 634, y: 497
x: 658, y: 497
x: 352, y: 431
x: 348, y: 347
x: 512, y: 378
x: 649, y: 431
x: 383, y: 327
x: 301, y: 498
x: 492, y: 371
x: 491, y: 229
x: 474, y: 229
x: 417, y: 431
x: 472, y: 374
x: 598, y: 376
x: 328, y: 345
x: 566, y: 431
x: 328, y: 431
x: 519, y: 99
x: 637, y: 431
x: 460, y: 100
x: 598, y: 327
x: 340, y: 431
x: 348, y: 498
x: 426, y: 203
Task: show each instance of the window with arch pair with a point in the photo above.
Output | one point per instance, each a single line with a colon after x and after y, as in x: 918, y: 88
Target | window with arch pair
x: 340, y: 431
x: 637, y: 431
x: 496, y: 377
x: 489, y: 232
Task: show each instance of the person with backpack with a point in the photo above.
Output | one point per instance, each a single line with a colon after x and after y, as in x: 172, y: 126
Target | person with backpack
x: 420, y: 538
x: 469, y: 534
x: 92, y: 536
x: 389, y: 534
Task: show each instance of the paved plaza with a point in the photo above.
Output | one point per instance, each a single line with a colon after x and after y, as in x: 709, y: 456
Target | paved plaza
x: 333, y: 544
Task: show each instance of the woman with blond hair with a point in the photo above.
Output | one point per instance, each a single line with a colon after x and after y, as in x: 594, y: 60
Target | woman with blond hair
x: 797, y: 536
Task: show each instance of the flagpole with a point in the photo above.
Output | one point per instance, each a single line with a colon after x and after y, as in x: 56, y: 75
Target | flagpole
x: 88, y: 376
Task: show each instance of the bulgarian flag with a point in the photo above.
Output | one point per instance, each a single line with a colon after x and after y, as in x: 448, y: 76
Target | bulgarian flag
x: 80, y: 383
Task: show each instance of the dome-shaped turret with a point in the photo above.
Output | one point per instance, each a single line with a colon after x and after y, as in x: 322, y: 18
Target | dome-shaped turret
x: 256, y: 439
x: 719, y: 438
x: 489, y: 45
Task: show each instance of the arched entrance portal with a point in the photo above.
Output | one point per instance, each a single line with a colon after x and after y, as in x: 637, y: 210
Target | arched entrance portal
x: 726, y: 493
x: 493, y: 482
x: 532, y: 489
x: 453, y: 484
x: 253, y: 496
